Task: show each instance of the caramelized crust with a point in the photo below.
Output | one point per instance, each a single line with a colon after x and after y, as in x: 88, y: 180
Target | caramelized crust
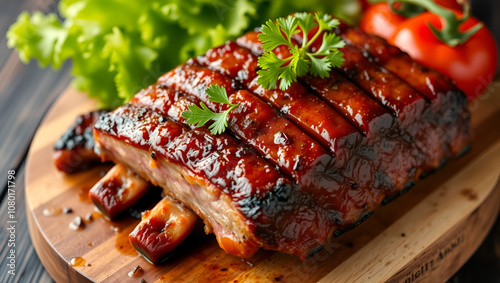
x: 238, y: 194
x: 344, y: 196
x: 117, y: 191
x: 294, y: 167
x: 311, y: 114
x: 254, y: 121
x: 162, y: 229
x: 449, y: 104
x: 388, y: 147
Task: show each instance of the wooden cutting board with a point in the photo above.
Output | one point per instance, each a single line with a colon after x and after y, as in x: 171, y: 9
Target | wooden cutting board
x: 428, y: 233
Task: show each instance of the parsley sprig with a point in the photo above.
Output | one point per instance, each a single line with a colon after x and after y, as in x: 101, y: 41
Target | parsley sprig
x: 302, y: 60
x: 201, y: 116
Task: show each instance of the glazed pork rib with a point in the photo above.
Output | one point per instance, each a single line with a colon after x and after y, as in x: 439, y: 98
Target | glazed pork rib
x: 117, y: 191
x: 376, y: 123
x: 237, y: 194
x: 290, y: 142
x: 345, y: 197
x: 413, y: 111
x: 449, y: 103
x: 404, y: 88
x: 293, y: 167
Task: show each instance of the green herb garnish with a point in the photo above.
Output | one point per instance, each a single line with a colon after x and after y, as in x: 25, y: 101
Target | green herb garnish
x: 302, y: 60
x: 200, y: 116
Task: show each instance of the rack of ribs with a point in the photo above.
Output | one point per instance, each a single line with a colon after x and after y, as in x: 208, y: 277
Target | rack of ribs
x: 294, y: 167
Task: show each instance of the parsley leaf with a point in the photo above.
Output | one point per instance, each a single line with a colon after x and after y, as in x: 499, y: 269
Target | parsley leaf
x: 218, y: 94
x: 302, y: 60
x: 200, y: 116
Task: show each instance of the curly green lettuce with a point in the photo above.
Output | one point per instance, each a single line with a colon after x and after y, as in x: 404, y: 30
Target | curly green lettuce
x: 118, y: 47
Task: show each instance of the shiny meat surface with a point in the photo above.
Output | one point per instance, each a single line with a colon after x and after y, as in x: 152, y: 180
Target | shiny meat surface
x: 293, y: 167
x: 117, y: 191
x: 314, y: 115
x: 277, y: 139
x: 162, y: 229
x: 308, y: 112
x: 236, y: 193
x: 449, y: 103
x: 416, y: 115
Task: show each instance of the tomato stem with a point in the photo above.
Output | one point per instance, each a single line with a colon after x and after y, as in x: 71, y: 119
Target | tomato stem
x: 450, y: 33
x: 406, y: 10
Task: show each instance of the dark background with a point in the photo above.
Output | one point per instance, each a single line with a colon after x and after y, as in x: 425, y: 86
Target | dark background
x: 488, y: 11
x: 27, y: 92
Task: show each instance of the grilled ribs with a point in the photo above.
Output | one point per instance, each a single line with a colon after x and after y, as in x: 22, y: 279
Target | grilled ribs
x: 450, y: 109
x: 295, y: 166
x: 74, y: 150
x: 117, y: 191
x: 162, y: 229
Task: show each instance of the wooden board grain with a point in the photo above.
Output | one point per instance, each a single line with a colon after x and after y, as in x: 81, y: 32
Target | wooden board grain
x: 426, y: 234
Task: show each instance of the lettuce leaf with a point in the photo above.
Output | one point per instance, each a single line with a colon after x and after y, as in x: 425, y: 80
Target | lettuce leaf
x: 118, y: 47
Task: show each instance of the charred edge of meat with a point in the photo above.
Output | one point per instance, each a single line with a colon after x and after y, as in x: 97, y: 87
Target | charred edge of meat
x: 74, y: 150
x: 271, y: 205
x: 458, y: 134
x: 315, y: 251
x: 424, y: 175
x: 390, y: 198
x: 464, y: 151
x: 363, y: 217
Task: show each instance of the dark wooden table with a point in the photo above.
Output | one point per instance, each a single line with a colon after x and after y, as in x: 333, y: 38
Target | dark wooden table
x: 27, y: 92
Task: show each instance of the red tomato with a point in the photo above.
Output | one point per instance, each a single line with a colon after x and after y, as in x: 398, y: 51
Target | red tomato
x: 450, y: 4
x: 379, y: 19
x: 364, y: 4
x: 471, y: 65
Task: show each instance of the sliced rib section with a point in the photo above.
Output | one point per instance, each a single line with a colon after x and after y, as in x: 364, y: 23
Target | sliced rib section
x: 254, y: 121
x: 391, y: 149
x: 294, y: 167
x: 283, y: 144
x: 297, y: 104
x: 236, y: 193
x: 449, y: 104
x: 411, y: 109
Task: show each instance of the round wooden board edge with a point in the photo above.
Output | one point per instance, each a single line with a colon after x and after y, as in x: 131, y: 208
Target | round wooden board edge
x: 438, y: 235
x: 440, y: 261
x: 58, y: 268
